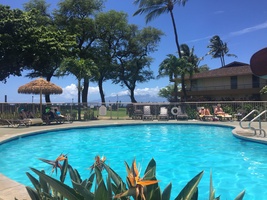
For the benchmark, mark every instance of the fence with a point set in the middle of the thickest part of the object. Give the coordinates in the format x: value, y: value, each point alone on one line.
x: 126, y: 110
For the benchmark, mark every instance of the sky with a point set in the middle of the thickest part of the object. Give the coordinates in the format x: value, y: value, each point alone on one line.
x: 242, y: 24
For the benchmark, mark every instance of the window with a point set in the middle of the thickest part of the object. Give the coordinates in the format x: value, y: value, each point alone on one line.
x: 255, y: 81
x: 233, y: 82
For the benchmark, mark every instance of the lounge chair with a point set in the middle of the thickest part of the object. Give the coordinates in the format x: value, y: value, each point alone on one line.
x: 14, y: 122
x: 163, y: 115
x: 137, y: 114
x: 30, y: 120
x: 181, y: 114
x: 221, y: 115
x: 204, y: 114
x: 147, y: 113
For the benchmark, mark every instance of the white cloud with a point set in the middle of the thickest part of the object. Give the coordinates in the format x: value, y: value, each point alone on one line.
x: 71, y: 91
x: 149, y: 91
x: 200, y: 39
x: 140, y: 91
x: 218, y: 12
x: 250, y: 29
x: 94, y: 90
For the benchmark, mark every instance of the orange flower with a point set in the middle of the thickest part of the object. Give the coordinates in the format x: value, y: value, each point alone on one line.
x: 136, y: 183
x: 55, y: 163
x: 98, y: 163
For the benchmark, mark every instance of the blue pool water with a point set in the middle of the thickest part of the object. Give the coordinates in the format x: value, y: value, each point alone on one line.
x: 180, y: 151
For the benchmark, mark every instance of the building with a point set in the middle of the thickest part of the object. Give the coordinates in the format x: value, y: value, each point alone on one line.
x: 234, y: 81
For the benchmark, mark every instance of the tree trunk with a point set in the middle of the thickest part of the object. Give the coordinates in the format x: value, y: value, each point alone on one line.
x: 85, y: 91
x: 132, y: 96
x: 183, y: 87
x: 102, y: 95
x: 175, y: 91
x: 176, y: 35
x: 47, y: 96
x: 79, y: 100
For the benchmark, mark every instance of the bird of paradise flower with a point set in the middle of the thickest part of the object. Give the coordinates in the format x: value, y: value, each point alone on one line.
x: 98, y: 163
x: 55, y: 163
x: 136, y: 184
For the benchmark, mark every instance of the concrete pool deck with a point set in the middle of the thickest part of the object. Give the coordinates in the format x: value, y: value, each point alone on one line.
x: 10, y: 189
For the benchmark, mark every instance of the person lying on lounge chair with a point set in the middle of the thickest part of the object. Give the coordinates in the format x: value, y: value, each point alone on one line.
x: 48, y: 115
x: 204, y: 113
x: 218, y: 111
x: 25, y: 114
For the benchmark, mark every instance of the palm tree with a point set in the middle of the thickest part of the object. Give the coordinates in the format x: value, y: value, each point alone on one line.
x: 218, y: 49
x: 154, y: 9
x: 191, y: 58
x: 175, y: 68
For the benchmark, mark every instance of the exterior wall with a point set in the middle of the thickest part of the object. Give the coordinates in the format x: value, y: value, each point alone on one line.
x: 220, y: 88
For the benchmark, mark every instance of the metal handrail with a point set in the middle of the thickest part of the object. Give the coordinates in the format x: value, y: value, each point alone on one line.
x: 260, y: 129
x: 244, y: 118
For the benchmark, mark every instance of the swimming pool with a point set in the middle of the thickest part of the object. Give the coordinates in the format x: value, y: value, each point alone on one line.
x: 181, y: 151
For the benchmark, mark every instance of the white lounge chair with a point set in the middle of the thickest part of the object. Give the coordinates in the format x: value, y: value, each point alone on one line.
x: 163, y: 114
x: 147, y: 113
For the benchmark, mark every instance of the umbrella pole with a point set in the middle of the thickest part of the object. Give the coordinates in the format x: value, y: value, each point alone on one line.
x: 41, y: 112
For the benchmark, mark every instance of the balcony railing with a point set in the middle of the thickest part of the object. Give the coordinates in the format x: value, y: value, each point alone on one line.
x: 220, y: 87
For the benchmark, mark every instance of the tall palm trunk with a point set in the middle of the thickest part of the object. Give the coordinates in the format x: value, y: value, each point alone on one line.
x: 175, y: 91
x: 183, y: 87
x: 176, y: 34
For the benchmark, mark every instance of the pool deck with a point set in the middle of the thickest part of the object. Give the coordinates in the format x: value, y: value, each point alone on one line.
x: 10, y: 189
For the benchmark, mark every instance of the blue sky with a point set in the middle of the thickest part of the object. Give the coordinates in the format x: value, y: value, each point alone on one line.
x: 240, y: 23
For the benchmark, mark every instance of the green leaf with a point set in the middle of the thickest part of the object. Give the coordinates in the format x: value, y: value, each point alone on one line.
x: 35, y: 182
x: 43, y: 184
x: 98, y: 175
x: 90, y: 181
x: 166, y: 194
x: 240, y: 195
x: 101, y: 191
x: 83, y: 191
x: 153, y: 193
x: 114, y: 176
x: 61, y: 188
x: 64, y: 170
x: 190, y: 188
x: 109, y: 185
x: 151, y: 164
x: 212, y: 191
x: 32, y: 193
x: 74, y: 174
x: 150, y: 174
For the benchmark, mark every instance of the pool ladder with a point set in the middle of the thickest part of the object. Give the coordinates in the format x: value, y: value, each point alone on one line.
x: 258, y: 117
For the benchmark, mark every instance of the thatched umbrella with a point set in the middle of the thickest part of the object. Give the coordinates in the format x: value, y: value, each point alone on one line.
x: 40, y: 86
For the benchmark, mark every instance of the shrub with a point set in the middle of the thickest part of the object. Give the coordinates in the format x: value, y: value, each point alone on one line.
x: 112, y: 187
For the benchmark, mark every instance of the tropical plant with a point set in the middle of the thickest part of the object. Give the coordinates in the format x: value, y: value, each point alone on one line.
x: 146, y: 188
x: 167, y: 92
x: 219, y: 49
x: 176, y: 69
x: 133, y: 58
x: 77, y: 18
x: 80, y: 68
x: 154, y: 9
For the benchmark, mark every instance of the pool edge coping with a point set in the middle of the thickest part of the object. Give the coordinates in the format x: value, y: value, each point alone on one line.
x: 19, y: 191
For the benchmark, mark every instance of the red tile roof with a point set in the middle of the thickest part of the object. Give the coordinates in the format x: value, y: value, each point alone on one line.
x: 232, y: 69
